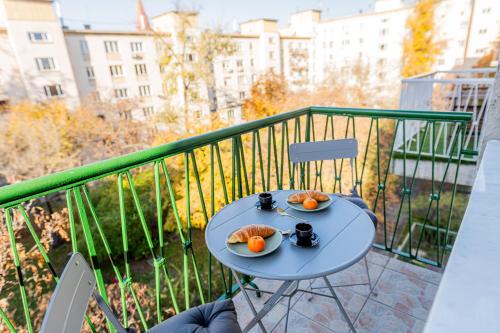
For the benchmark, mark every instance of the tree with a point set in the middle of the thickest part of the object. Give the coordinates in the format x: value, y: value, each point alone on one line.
x: 187, y: 63
x: 267, y: 97
x: 420, y: 48
x: 42, y: 138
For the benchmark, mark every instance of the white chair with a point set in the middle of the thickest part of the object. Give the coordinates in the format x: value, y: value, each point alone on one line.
x: 332, y: 150
x: 76, y: 286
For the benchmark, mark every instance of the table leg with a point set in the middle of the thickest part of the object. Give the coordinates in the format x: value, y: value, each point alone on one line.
x: 270, y: 303
x: 342, y: 310
x: 245, y: 294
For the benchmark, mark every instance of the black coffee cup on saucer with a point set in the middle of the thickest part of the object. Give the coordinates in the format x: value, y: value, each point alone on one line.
x: 304, y: 233
x: 266, y: 201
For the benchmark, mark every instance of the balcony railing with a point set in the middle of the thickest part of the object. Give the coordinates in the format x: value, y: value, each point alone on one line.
x: 454, y: 91
x: 163, y: 195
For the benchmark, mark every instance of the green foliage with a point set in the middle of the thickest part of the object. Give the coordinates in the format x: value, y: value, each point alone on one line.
x: 105, y: 199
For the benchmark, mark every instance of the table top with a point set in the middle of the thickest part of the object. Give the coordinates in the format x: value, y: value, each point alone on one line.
x: 345, y: 230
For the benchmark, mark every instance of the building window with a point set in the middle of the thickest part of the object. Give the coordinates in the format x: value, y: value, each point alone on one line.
x: 381, y: 62
x: 45, y: 64
x: 144, y: 91
x: 53, y: 90
x: 127, y: 114
x: 482, y: 31
x: 38, y: 37
x: 383, y: 32
x: 148, y: 111
x: 136, y: 47
x: 271, y: 40
x: 464, y: 24
x: 241, y: 79
x: 242, y: 95
x: 382, y: 47
x: 111, y: 46
x: 239, y: 64
x: 116, y: 70
x: 226, y: 81
x: 90, y: 72
x: 250, y: 46
x: 140, y: 69
x: 84, y: 48
x: 251, y: 62
x: 121, y: 93
x: 189, y: 57
x: 230, y: 114
x: 271, y: 55
x: 486, y: 10
x: 254, y: 78
x: 345, y: 42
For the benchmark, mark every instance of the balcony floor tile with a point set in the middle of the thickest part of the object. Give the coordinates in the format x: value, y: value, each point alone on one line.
x: 400, y: 302
x: 405, y: 293
x: 376, y: 317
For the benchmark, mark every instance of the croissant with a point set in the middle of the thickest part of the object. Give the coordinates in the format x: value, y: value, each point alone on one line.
x: 243, y: 234
x: 299, y: 197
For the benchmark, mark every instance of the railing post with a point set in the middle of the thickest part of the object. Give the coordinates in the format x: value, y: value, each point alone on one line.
x: 491, y: 130
x: 307, y: 139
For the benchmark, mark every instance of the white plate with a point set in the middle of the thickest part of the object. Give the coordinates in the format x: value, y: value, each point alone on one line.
x: 321, y: 205
x: 241, y: 249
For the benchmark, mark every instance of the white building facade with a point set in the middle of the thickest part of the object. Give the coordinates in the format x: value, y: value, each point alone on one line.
x: 40, y: 59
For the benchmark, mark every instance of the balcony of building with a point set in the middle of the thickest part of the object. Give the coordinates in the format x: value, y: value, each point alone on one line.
x: 469, y: 90
x: 150, y: 259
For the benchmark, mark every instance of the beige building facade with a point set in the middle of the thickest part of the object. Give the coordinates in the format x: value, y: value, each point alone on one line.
x: 40, y: 59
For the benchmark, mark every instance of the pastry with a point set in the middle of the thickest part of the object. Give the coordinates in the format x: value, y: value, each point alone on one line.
x: 299, y: 197
x: 245, y: 233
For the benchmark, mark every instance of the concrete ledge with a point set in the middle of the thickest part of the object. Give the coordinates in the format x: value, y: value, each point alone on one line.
x: 468, y: 298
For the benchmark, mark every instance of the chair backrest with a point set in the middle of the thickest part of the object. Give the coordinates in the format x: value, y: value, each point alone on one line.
x: 71, y: 297
x: 69, y: 302
x: 323, y: 150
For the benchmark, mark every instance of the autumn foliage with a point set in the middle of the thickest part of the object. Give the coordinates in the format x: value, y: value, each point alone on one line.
x: 420, y: 47
x: 266, y: 97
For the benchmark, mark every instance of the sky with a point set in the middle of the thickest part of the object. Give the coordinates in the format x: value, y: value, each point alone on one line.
x: 120, y: 14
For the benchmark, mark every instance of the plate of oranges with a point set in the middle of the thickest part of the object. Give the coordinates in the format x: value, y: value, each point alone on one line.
x: 309, y: 201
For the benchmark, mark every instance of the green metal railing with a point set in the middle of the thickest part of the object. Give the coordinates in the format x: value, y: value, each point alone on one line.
x: 193, y: 178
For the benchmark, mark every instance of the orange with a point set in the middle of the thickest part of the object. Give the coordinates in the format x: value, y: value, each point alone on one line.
x: 256, y: 244
x: 310, y: 203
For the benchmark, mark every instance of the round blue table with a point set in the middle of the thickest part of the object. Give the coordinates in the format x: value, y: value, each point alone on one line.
x: 346, y: 234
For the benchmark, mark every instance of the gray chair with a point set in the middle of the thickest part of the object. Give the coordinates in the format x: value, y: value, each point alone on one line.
x: 71, y: 297
x: 332, y: 150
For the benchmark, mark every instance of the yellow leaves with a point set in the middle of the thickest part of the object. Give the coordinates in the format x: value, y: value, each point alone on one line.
x: 420, y: 48
x: 266, y: 97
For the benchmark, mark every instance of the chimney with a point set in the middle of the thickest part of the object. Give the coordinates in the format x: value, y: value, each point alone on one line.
x: 142, y: 22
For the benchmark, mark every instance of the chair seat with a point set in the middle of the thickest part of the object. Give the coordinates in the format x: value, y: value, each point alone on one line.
x: 358, y: 201
x: 216, y: 317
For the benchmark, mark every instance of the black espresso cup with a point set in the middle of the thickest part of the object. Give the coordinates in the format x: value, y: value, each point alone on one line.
x: 304, y: 232
x: 266, y: 201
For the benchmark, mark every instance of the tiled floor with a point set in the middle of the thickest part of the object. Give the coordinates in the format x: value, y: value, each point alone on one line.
x: 400, y: 300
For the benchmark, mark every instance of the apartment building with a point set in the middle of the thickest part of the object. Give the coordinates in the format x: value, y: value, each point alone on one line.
x: 117, y: 66
x: 41, y: 59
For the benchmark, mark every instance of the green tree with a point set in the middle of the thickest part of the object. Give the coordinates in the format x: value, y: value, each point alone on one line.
x: 420, y: 47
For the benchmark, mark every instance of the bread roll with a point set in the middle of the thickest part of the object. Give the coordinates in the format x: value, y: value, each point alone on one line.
x: 299, y: 197
x: 243, y: 234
